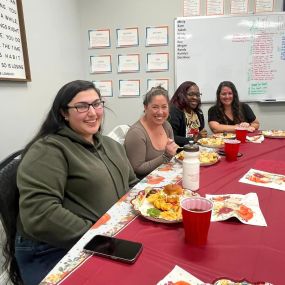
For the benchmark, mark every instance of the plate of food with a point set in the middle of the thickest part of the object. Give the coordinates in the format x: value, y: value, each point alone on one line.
x: 228, y: 281
x: 274, y: 134
x: 224, y: 135
x: 179, y: 156
x: 211, y: 142
x: 162, y: 204
x: 206, y: 157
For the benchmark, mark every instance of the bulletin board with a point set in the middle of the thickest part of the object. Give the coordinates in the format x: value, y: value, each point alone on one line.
x: 14, y: 61
x: 247, y: 50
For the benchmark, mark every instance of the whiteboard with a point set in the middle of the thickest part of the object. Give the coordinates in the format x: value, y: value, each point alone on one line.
x: 247, y: 50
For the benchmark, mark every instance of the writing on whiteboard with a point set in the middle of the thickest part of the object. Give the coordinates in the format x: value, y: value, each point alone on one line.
x: 248, y: 50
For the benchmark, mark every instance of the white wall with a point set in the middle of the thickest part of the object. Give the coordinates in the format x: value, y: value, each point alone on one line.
x: 112, y: 14
x: 57, y: 36
x: 55, y: 53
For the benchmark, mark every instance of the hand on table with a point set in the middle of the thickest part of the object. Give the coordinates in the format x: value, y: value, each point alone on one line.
x: 203, y: 133
x: 244, y: 125
x: 171, y: 147
x: 247, y: 126
x: 251, y: 129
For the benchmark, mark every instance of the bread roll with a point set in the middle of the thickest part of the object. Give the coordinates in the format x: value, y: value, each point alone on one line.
x: 173, y: 189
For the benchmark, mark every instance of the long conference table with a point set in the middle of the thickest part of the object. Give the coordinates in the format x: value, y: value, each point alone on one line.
x: 234, y: 250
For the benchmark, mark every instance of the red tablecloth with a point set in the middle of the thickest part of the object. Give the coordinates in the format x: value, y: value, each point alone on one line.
x: 233, y: 250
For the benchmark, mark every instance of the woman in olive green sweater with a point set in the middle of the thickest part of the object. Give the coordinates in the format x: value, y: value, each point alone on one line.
x: 69, y: 176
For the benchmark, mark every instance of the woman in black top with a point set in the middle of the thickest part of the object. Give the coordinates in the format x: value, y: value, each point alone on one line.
x: 229, y: 113
x: 186, y: 117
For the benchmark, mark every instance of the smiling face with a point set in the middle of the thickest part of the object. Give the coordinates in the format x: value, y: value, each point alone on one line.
x: 193, y: 96
x: 226, y: 96
x: 87, y: 123
x: 156, y: 112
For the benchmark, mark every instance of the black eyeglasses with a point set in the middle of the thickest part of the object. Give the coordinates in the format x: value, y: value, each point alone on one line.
x: 193, y: 94
x: 84, y: 107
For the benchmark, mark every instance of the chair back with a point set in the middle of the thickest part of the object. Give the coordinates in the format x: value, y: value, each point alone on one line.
x: 9, y: 209
x: 118, y: 133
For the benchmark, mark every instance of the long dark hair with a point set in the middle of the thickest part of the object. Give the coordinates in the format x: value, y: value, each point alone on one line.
x: 55, y: 120
x: 236, y: 105
x: 179, y: 98
x: 52, y: 124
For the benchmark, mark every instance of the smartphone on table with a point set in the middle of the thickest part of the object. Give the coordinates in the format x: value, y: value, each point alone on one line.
x: 114, y: 248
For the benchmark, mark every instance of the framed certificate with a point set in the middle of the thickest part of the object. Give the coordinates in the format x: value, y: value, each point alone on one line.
x: 156, y: 36
x: 157, y: 82
x: 129, y: 88
x: 215, y: 7
x: 128, y: 63
x: 239, y: 6
x: 99, y: 38
x: 264, y: 6
x: 192, y: 8
x: 100, y: 64
x: 105, y: 87
x: 14, y: 59
x: 127, y: 37
x: 157, y: 61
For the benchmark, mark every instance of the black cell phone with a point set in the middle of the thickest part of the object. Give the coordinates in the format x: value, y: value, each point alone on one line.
x: 114, y: 248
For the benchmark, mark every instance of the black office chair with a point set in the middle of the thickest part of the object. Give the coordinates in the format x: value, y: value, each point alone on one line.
x: 9, y: 208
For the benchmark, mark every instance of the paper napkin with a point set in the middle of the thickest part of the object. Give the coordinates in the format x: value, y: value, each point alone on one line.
x: 255, y: 139
x: 244, y: 207
x: 264, y: 179
x: 178, y: 274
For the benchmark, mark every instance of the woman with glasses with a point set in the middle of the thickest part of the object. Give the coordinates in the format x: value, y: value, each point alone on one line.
x: 229, y: 113
x: 69, y: 176
x: 186, y: 117
x: 149, y: 142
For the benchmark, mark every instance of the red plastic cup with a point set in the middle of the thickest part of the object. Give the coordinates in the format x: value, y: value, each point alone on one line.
x: 196, y: 214
x: 231, y: 149
x: 241, y: 134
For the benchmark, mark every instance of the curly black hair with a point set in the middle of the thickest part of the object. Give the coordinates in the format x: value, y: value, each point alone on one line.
x: 179, y: 98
